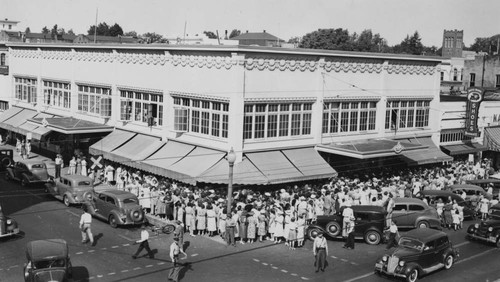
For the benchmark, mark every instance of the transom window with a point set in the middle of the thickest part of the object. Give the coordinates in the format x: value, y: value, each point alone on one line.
x: 349, y: 116
x: 277, y: 120
x: 94, y: 100
x: 201, y: 116
x: 57, y: 94
x: 407, y: 114
x: 25, y: 89
x: 141, y: 107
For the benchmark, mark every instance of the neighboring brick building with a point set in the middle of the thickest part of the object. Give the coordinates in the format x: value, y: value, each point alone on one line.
x: 453, y: 42
x: 483, y: 71
x: 259, y: 38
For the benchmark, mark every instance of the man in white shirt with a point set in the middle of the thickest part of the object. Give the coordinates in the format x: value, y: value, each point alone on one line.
x: 393, y: 234
x: 175, y: 250
x: 143, y: 243
x: 85, y: 221
x: 320, y: 251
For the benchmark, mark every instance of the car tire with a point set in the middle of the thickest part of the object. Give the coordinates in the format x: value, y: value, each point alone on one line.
x: 87, y: 196
x: 448, y: 261
x: 333, y: 229
x: 167, y: 229
x: 7, y: 176
x: 136, y: 214
x: 312, y: 233
x: 113, y: 222
x: 373, y: 237
x: 66, y: 201
x: 422, y: 224
x: 6, y: 161
x: 412, y: 275
x: 24, y: 182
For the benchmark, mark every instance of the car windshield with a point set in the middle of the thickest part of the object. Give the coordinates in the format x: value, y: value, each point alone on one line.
x: 37, y: 166
x: 411, y: 243
x: 84, y: 183
x: 42, y: 264
x: 130, y: 201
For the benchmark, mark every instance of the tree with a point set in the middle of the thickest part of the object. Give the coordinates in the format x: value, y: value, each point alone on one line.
x: 71, y: 32
x: 486, y: 44
x: 45, y: 30
x: 151, y: 37
x: 115, y: 30
x: 27, y: 30
x: 130, y: 33
x: 329, y: 39
x: 53, y: 32
x: 210, y: 34
x: 234, y: 33
x: 102, y: 29
x: 410, y: 45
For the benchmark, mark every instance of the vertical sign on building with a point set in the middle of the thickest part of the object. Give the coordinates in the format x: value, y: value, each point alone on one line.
x: 474, y: 98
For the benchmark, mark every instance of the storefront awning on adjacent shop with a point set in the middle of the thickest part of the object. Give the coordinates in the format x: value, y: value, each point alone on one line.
x: 431, y: 153
x: 369, y: 148
x: 109, y: 143
x: 133, y: 149
x: 272, y: 167
x: 70, y: 125
x: 465, y: 148
x: 36, y: 131
x: 9, y: 113
x: 13, y: 122
x: 492, y: 137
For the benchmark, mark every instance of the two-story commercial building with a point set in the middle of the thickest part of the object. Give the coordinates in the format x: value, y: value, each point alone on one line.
x: 175, y: 110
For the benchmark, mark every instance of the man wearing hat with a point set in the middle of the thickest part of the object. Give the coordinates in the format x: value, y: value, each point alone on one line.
x: 175, y: 250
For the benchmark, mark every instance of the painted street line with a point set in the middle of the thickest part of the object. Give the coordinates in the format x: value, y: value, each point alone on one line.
x: 359, y: 277
x: 126, y: 238
x: 461, y: 244
x: 277, y: 268
x: 193, y: 255
x: 125, y: 270
x: 476, y: 255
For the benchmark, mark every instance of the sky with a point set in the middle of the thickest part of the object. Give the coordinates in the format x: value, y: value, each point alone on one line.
x: 392, y: 19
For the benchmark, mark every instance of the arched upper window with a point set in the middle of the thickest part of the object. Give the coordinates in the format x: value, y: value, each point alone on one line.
x: 455, y: 74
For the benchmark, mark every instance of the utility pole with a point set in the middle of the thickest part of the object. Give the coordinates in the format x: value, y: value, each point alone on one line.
x: 95, y: 26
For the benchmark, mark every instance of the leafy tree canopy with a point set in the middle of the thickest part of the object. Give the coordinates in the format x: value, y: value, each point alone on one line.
x: 234, y: 33
x: 210, y: 34
x: 45, y: 30
x: 485, y: 44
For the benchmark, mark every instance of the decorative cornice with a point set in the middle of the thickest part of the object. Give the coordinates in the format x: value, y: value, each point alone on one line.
x: 24, y: 53
x: 405, y: 68
x: 353, y: 65
x: 280, y: 64
x: 217, y: 62
x: 94, y: 56
x: 141, y: 58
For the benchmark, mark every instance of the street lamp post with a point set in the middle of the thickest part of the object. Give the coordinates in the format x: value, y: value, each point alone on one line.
x: 231, y: 158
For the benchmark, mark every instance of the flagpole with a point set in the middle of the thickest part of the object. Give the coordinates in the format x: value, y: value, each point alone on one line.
x: 95, y: 26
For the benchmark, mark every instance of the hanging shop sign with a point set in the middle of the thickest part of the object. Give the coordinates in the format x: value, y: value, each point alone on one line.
x: 474, y: 98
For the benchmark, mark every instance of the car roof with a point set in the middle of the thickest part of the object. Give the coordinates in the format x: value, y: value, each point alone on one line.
x: 424, y: 234
x: 77, y: 177
x: 31, y: 161
x: 437, y: 192
x: 408, y: 200
x: 489, y: 180
x: 118, y: 193
x: 47, y: 249
x: 466, y: 186
x: 368, y: 208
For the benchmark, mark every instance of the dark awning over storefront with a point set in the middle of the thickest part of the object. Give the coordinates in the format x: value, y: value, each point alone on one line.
x: 13, y: 121
x: 70, y: 125
x: 492, y: 136
x: 466, y: 148
x: 272, y: 167
x: 431, y: 154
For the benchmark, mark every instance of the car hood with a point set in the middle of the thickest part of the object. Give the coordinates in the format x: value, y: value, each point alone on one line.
x: 491, y: 222
x: 402, y: 252
x: 50, y: 275
x: 39, y: 175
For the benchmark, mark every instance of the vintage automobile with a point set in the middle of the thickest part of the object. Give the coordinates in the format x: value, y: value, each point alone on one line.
x: 486, y: 183
x: 72, y: 189
x: 117, y: 207
x: 432, y: 197
x: 420, y: 252
x: 8, y: 226
x: 370, y: 224
x: 28, y: 172
x: 48, y: 260
x: 488, y: 230
x: 414, y: 213
x: 469, y: 190
x: 6, y: 157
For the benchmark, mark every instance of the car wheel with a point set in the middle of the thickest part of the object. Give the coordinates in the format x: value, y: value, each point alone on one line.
x: 448, y: 261
x: 7, y: 176
x: 312, y: 233
x: 66, y: 201
x: 412, y: 276
x: 24, y: 182
x: 423, y: 224
x: 136, y: 214
x: 333, y: 229
x: 167, y: 229
x: 112, y: 221
x: 373, y: 237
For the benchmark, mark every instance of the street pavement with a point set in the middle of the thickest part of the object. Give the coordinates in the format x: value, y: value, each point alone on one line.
x: 42, y: 217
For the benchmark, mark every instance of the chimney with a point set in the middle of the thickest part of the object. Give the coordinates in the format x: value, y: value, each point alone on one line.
x: 264, y: 31
x: 225, y: 37
x: 247, y: 31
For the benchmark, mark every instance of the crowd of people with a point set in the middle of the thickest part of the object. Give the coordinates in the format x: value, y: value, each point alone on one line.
x: 23, y: 147
x: 281, y: 214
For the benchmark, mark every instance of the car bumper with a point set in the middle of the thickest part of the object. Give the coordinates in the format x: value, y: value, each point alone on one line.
x: 380, y: 268
x: 489, y: 239
x: 10, y: 233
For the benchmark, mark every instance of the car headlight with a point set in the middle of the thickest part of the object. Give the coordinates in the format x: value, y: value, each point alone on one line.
x: 401, y: 263
x: 490, y: 229
x: 384, y: 258
x: 476, y: 225
x: 9, y: 222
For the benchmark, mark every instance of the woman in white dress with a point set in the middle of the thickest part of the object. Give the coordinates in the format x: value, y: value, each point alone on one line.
x: 211, y: 222
x: 278, y: 227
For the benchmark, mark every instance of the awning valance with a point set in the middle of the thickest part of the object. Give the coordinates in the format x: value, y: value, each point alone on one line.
x: 129, y: 152
x: 465, y: 148
x: 13, y: 122
x: 431, y: 154
x: 109, y: 143
x: 70, y: 125
x: 492, y: 137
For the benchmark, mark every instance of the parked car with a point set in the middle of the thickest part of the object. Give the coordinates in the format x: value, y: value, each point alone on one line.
x: 370, y: 224
x: 48, y: 260
x: 28, y: 172
x: 489, y: 230
x: 469, y: 190
x: 117, y: 207
x: 432, y: 197
x: 8, y: 226
x: 420, y: 252
x: 414, y: 213
x: 6, y: 158
x: 72, y: 189
x: 485, y: 183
